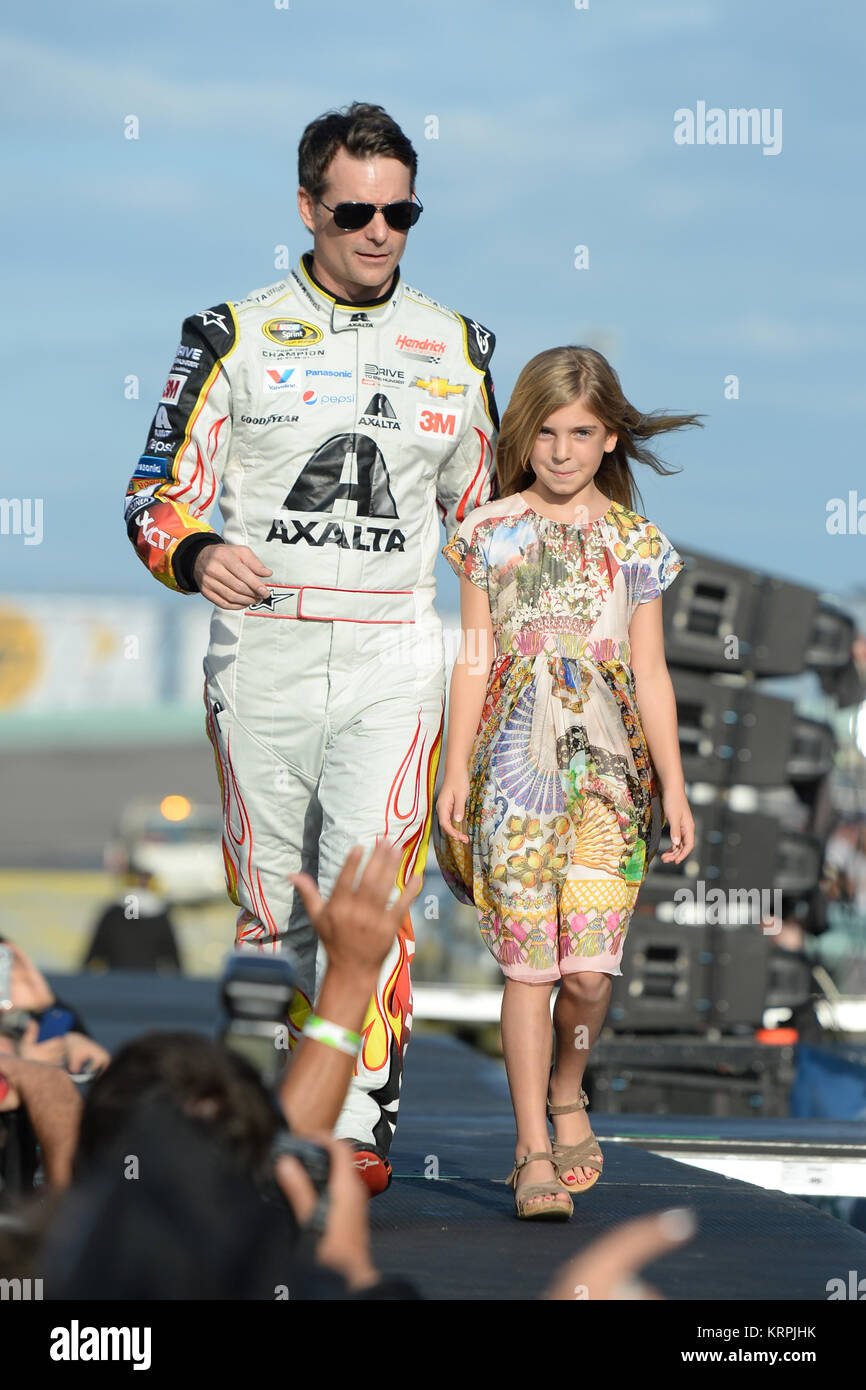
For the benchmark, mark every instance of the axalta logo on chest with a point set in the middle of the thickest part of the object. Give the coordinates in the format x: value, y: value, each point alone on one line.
x: 319, y: 533
x: 348, y: 470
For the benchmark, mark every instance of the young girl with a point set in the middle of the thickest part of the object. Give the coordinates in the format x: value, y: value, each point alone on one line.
x: 550, y: 809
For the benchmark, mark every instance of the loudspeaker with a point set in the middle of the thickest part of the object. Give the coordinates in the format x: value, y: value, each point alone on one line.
x: 689, y: 976
x: 721, y: 617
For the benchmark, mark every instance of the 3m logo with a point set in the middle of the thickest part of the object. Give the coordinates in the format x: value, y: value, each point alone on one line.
x: 173, y: 387
x: 445, y: 423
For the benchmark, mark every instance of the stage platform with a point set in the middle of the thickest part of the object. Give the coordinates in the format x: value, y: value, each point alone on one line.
x: 455, y: 1233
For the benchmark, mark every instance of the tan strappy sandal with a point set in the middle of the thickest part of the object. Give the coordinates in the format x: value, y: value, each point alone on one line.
x: 552, y: 1211
x: 580, y: 1155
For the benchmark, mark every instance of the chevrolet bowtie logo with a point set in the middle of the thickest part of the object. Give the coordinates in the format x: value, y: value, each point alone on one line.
x: 271, y: 601
x: 438, y: 386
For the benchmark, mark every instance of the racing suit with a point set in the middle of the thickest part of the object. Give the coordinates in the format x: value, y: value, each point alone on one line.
x: 336, y: 431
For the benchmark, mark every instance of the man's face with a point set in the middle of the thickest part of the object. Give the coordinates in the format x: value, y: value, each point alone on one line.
x: 366, y: 259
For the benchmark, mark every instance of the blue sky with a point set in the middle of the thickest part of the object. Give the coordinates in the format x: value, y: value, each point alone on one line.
x: 555, y: 130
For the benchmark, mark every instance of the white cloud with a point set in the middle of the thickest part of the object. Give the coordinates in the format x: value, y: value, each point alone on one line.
x: 44, y: 88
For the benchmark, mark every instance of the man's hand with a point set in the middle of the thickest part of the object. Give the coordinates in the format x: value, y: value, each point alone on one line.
x: 607, y: 1268
x: 83, y: 1053
x: 30, y: 989
x: 230, y: 575
x: 345, y: 1245
x: 70, y: 1050
x: 354, y: 925
x: 54, y: 1108
x: 357, y: 930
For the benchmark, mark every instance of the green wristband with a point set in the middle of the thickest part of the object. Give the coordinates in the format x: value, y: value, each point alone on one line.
x: 332, y: 1034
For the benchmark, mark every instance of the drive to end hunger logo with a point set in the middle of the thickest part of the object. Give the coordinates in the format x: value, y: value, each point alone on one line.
x: 295, y: 331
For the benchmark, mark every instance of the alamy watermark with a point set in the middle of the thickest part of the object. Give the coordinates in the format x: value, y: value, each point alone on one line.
x: 751, y: 906
x: 22, y: 516
x: 740, y: 125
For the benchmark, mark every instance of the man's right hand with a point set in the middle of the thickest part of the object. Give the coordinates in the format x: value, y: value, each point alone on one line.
x: 356, y: 926
x: 230, y: 575
x: 345, y: 1245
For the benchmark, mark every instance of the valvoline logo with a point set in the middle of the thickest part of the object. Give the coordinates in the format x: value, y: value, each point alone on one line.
x: 309, y: 398
x: 281, y: 380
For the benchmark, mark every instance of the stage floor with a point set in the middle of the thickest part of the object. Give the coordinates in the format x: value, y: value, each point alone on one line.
x: 456, y: 1236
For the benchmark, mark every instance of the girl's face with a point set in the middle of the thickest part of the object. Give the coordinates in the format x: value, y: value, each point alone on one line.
x: 568, y: 449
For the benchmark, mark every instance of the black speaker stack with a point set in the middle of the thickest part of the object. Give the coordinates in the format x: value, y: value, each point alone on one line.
x: 684, y: 1029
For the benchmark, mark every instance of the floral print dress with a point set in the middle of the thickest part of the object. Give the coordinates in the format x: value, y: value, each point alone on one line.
x: 564, y: 813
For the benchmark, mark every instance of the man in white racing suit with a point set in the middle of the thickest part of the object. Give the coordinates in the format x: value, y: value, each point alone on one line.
x: 344, y: 414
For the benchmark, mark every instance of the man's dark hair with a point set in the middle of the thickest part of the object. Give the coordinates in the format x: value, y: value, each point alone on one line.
x: 215, y: 1089
x: 363, y: 130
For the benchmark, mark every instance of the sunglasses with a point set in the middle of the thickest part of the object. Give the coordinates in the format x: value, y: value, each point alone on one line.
x: 351, y: 217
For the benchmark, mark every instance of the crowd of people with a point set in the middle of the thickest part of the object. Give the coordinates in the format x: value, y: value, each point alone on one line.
x: 170, y: 1171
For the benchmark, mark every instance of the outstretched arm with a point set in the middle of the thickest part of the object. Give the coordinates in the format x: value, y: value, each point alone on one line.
x: 356, y: 928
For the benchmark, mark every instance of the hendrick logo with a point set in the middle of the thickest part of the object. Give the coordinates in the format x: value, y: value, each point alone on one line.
x: 420, y: 344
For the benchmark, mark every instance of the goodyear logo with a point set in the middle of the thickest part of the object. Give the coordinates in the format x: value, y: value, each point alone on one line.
x: 295, y: 331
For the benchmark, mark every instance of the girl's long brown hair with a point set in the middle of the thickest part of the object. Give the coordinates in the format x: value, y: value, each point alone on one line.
x: 560, y: 376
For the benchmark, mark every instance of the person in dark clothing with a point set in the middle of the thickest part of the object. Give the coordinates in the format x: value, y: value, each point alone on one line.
x: 145, y: 941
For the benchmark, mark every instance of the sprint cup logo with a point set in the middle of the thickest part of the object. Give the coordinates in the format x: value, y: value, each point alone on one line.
x: 295, y: 331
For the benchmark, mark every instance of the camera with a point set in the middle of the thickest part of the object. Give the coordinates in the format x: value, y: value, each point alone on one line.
x: 255, y: 994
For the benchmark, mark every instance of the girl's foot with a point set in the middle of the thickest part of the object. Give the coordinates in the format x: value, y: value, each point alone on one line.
x: 539, y: 1171
x: 571, y: 1129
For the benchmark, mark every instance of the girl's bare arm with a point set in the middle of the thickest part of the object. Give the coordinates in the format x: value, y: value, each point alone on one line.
x: 655, y: 693
x: 657, y: 706
x: 469, y: 676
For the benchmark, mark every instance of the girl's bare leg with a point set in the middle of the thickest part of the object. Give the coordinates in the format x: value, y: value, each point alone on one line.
x: 578, y: 1015
x: 526, y: 1043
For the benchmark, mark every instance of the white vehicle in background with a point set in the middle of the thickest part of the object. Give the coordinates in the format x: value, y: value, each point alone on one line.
x: 177, y: 844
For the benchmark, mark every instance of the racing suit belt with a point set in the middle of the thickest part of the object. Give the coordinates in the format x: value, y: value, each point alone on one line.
x: 320, y: 603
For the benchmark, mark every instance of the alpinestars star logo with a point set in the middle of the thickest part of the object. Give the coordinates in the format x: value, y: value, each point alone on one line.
x: 269, y: 604
x: 482, y: 336
x: 208, y: 317
x: 380, y: 413
x: 346, y: 474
